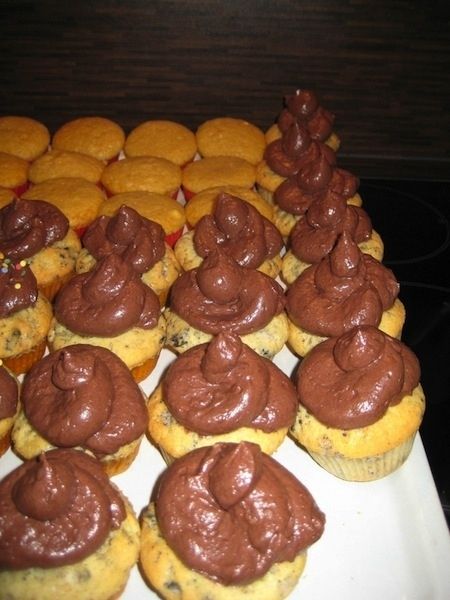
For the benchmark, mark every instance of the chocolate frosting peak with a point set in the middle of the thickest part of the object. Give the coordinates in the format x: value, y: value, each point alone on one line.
x: 224, y: 385
x: 107, y: 301
x: 230, y: 512
x: 345, y: 289
x: 220, y: 295
x: 139, y: 241
x: 303, y: 106
x: 64, y: 503
x: 84, y: 396
x: 27, y: 226
x: 18, y: 287
x: 350, y: 381
x: 284, y: 155
x: 239, y: 230
x: 9, y: 394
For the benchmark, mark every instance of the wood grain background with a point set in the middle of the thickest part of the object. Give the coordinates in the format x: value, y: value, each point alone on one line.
x: 383, y: 68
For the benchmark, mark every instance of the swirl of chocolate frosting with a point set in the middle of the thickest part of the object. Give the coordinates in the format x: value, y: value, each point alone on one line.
x: 218, y: 387
x: 239, y: 230
x: 327, y: 218
x: 9, y: 394
x: 64, y: 503
x: 27, y: 226
x: 345, y: 289
x: 284, y: 155
x: 350, y: 381
x: 303, y: 106
x: 84, y: 396
x: 18, y: 287
x: 220, y: 295
x: 230, y: 512
x: 107, y: 301
x: 139, y: 241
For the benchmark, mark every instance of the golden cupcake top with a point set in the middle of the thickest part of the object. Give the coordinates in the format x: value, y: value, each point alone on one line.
x: 239, y: 230
x: 107, y: 301
x: 346, y: 288
x: 24, y: 137
x: 230, y: 512
x: 220, y: 295
x: 65, y: 163
x: 64, y: 502
x: 139, y: 241
x: 215, y: 171
x: 84, y: 396
x: 27, y: 226
x: 350, y: 381
x: 13, y: 171
x: 221, y: 386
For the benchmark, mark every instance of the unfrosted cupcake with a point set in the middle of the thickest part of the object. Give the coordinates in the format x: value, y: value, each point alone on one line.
x: 64, y: 163
x: 13, y: 173
x: 25, y: 317
x: 95, y: 136
x: 240, y: 493
x: 220, y: 295
x: 110, y: 306
x: 221, y: 391
x: 156, y: 207
x: 78, y: 199
x: 203, y: 203
x: 23, y: 136
x: 86, y: 536
x: 345, y: 289
x: 361, y: 404
x: 139, y: 241
x: 230, y: 136
x: 315, y: 235
x: 215, y: 171
x: 240, y: 231
x: 37, y: 232
x: 81, y: 397
x: 163, y: 138
x: 303, y: 107
x: 142, y: 174
x: 6, y: 196
x: 9, y: 405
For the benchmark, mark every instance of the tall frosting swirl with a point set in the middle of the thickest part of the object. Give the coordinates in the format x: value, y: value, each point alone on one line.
x: 218, y: 387
x: 239, y: 230
x: 18, y: 287
x: 230, y: 512
x: 84, y: 396
x: 27, y: 226
x: 9, y: 394
x: 345, y: 289
x: 139, y: 241
x: 107, y: 301
x: 220, y: 295
x: 303, y: 107
x: 56, y: 510
x: 350, y: 381
x: 327, y: 218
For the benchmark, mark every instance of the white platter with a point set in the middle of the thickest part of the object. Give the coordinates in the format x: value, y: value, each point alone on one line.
x: 386, y: 539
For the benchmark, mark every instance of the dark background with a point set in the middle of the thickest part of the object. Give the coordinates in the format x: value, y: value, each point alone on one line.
x: 383, y: 68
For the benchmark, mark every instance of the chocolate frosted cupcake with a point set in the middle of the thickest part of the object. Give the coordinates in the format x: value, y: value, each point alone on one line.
x: 303, y: 107
x: 38, y: 232
x: 25, y: 317
x: 220, y: 295
x: 315, y: 235
x: 361, y: 404
x: 82, y: 397
x: 111, y: 307
x: 221, y: 391
x: 345, y: 289
x: 9, y: 406
x: 139, y: 241
x: 85, y: 535
x: 240, y: 231
x: 228, y: 522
